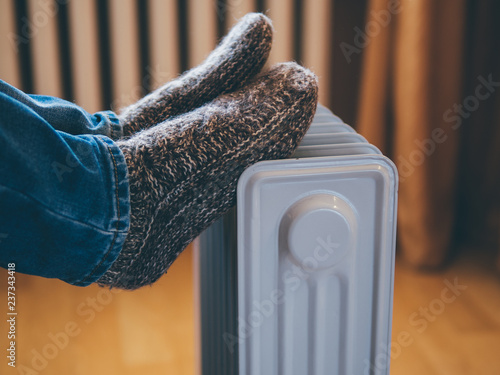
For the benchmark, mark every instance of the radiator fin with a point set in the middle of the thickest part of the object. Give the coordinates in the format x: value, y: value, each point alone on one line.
x: 85, y: 54
x: 9, y: 69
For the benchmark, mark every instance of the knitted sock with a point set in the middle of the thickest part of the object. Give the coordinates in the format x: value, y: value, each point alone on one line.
x: 183, y: 173
x: 238, y: 57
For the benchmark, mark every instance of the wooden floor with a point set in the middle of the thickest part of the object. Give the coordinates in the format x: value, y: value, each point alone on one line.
x: 148, y: 331
x: 449, y: 330
x: 437, y: 329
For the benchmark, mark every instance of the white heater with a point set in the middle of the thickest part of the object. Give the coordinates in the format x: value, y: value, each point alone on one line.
x: 298, y: 278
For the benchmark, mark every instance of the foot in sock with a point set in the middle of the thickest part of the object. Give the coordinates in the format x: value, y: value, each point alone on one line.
x: 238, y: 58
x: 183, y: 173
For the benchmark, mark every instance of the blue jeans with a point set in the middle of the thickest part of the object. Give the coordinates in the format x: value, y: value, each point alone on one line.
x: 64, y: 195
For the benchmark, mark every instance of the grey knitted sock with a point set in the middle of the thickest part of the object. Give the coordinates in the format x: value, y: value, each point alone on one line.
x: 238, y: 58
x: 183, y: 173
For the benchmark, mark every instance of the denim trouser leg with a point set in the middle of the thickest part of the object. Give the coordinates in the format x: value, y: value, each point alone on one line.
x: 64, y: 196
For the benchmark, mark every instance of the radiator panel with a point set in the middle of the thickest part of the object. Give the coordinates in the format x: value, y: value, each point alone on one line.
x: 217, y: 293
x: 289, y: 212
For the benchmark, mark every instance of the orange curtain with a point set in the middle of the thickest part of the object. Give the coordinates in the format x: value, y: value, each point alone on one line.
x: 419, y: 103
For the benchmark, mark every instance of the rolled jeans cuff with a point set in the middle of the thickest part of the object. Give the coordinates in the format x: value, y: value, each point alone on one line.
x: 120, y: 220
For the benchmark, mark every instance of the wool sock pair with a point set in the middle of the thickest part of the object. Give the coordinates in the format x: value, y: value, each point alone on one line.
x: 188, y: 142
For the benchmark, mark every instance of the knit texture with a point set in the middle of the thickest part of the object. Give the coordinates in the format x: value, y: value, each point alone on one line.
x: 183, y: 173
x: 237, y: 59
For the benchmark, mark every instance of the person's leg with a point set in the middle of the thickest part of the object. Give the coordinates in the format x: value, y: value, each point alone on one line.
x: 64, y: 199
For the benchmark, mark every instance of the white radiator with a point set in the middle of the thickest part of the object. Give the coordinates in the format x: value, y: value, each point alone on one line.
x: 298, y: 279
